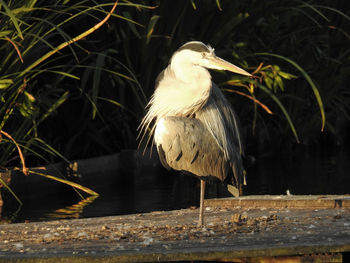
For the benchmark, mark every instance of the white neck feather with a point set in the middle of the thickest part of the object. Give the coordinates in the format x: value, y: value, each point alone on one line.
x: 184, y: 86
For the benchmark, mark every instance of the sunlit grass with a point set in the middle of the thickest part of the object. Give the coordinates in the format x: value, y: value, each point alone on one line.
x: 21, y: 112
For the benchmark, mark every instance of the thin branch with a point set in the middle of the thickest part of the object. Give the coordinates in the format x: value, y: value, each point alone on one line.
x: 258, y: 68
x: 252, y: 98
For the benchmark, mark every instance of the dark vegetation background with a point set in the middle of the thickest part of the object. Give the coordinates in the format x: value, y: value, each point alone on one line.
x: 88, y: 99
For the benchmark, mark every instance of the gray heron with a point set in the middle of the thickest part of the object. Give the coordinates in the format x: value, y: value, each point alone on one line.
x: 195, y: 128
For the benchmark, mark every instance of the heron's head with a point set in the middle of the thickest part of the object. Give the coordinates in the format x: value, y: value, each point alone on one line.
x: 198, y: 54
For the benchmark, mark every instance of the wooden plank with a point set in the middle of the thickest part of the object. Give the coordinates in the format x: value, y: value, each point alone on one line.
x: 229, y: 234
x: 282, y: 201
x: 311, y: 258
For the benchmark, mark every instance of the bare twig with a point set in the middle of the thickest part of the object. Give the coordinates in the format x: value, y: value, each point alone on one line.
x: 258, y: 68
x: 252, y: 98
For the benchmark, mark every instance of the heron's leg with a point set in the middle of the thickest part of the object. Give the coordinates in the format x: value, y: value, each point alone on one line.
x: 201, y: 203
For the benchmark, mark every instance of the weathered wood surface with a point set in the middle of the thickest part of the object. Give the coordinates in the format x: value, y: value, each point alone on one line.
x: 283, y: 201
x: 230, y: 233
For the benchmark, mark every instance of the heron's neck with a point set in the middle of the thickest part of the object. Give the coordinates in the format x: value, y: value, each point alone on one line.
x: 190, y: 73
x: 181, y: 92
x: 193, y: 81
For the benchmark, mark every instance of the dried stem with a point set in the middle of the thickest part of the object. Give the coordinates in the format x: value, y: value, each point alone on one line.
x: 15, y: 46
x: 24, y: 168
x: 252, y: 98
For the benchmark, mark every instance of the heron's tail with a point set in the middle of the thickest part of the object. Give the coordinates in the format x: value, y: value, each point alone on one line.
x: 239, y: 177
x: 233, y: 190
x: 237, y: 191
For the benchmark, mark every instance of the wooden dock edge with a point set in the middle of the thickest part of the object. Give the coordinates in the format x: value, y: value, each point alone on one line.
x: 282, y: 201
x: 302, y: 253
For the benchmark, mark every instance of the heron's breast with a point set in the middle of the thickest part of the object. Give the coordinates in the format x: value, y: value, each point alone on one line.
x: 160, y: 131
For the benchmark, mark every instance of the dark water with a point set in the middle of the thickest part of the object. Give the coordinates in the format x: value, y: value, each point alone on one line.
x: 156, y: 189
x: 306, y: 172
x: 126, y: 193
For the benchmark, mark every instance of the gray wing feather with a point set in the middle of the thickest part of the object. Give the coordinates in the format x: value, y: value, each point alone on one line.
x: 188, y: 146
x: 219, y: 118
x: 162, y: 156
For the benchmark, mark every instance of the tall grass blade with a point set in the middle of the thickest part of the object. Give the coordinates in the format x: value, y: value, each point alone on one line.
x: 308, y: 79
x: 13, y: 18
x: 50, y: 149
x: 335, y: 11
x: 74, y: 185
x: 69, y: 42
x: 283, y: 109
x: 12, y: 192
x: 313, y: 8
x: 151, y: 25
x: 100, y: 62
x: 53, y: 107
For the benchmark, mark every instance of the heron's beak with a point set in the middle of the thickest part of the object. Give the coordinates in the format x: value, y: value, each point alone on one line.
x: 219, y: 63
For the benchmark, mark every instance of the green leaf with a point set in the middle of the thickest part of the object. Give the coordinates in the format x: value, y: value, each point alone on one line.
x: 276, y: 68
x: 279, y: 82
x: 29, y: 96
x: 27, y: 109
x: 5, y: 83
x: 193, y: 5
x: 5, y: 33
x: 22, y: 10
x: 151, y: 25
x: 286, y: 75
x: 218, y: 5
x: 12, y: 17
x: 268, y: 81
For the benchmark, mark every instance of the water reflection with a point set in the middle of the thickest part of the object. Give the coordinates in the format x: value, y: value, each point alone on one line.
x: 72, y: 211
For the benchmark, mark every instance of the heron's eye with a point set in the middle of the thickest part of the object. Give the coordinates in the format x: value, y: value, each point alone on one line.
x: 204, y: 55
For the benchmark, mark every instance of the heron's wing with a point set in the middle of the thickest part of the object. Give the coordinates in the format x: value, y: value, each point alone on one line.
x: 184, y: 144
x: 219, y: 118
x: 162, y: 156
